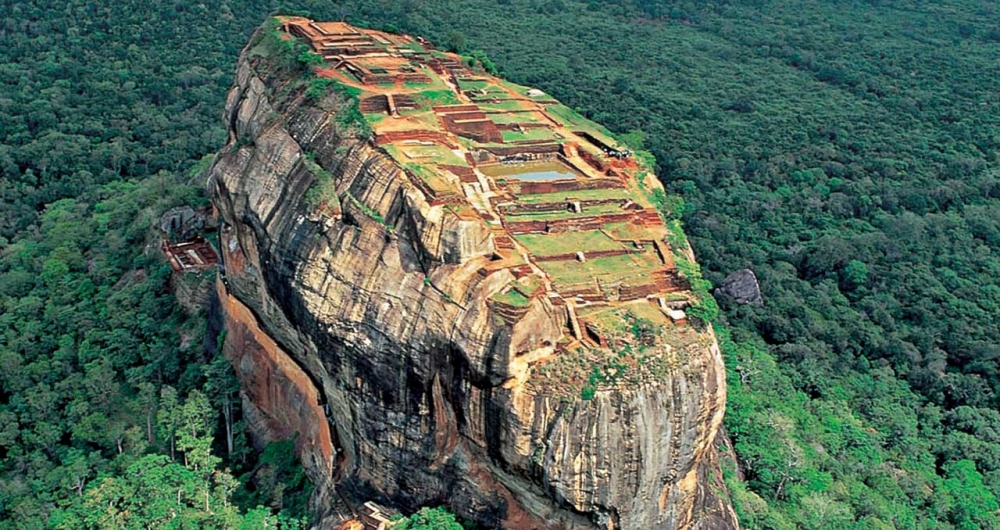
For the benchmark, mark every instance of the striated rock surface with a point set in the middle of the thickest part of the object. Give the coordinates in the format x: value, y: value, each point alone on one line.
x: 371, y: 335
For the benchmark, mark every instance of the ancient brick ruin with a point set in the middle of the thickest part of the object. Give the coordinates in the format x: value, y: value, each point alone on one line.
x: 193, y: 255
x: 571, y: 218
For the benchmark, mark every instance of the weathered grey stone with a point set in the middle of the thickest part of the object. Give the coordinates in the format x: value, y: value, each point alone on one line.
x: 181, y: 223
x: 741, y: 287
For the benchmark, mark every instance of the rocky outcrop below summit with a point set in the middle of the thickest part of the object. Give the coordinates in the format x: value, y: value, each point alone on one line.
x: 741, y: 287
x: 370, y: 335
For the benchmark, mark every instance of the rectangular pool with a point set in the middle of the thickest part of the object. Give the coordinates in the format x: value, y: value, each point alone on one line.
x: 531, y: 171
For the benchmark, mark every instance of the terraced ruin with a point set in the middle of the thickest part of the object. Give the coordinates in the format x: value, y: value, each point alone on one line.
x: 459, y: 291
x: 571, y: 210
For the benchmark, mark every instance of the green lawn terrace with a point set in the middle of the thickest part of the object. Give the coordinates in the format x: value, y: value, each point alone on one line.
x: 575, y: 207
x: 533, y: 94
x: 558, y: 213
x: 425, y: 153
x: 598, y: 194
x: 481, y: 87
x: 524, y: 118
x: 517, y: 294
x: 598, y: 247
x: 602, y: 276
x: 433, y: 97
x: 566, y: 246
x: 597, y: 137
x: 505, y: 105
x: 529, y: 135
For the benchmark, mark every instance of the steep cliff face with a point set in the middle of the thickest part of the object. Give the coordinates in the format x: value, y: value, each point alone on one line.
x: 373, y: 337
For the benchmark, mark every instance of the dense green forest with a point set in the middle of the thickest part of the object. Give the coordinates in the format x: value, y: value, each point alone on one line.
x: 846, y: 151
x: 109, y: 399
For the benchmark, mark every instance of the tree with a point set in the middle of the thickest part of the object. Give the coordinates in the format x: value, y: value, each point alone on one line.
x: 855, y: 274
x: 168, y: 417
x: 975, y: 506
x: 278, y: 480
x: 429, y: 519
x: 155, y: 492
x: 194, y: 432
x: 222, y: 389
x: 456, y: 42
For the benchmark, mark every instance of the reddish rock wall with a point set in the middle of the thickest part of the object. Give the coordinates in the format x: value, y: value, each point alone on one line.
x: 277, y: 388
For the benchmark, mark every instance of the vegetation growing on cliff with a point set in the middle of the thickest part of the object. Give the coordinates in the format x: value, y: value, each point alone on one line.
x: 641, y: 351
x: 429, y: 519
x: 323, y: 193
x: 346, y: 108
x: 703, y: 309
x: 367, y: 210
x: 278, y: 481
x: 294, y: 58
x: 291, y: 54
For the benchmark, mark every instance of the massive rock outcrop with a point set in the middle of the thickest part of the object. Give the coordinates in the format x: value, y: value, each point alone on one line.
x: 371, y: 335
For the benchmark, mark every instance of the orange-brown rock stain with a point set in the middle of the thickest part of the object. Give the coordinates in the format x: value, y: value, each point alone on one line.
x: 272, y: 381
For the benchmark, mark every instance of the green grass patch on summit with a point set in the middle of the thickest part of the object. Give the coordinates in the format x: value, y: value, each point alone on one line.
x: 512, y: 298
x: 568, y: 242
